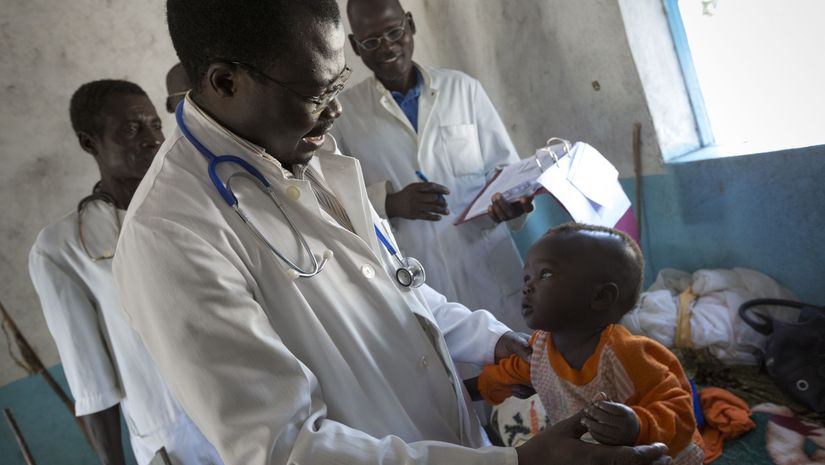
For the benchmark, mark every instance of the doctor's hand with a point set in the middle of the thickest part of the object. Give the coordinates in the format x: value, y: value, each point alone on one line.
x: 502, y: 210
x: 513, y: 343
x: 418, y: 201
x: 560, y: 443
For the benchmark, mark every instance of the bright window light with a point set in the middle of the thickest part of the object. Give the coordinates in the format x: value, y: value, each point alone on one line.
x: 761, y: 69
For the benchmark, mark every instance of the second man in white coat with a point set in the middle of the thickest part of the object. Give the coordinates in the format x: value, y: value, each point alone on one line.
x: 410, y: 118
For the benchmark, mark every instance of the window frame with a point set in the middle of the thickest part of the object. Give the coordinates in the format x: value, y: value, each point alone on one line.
x: 694, y: 90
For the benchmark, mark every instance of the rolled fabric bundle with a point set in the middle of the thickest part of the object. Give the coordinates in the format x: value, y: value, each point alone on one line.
x: 700, y: 310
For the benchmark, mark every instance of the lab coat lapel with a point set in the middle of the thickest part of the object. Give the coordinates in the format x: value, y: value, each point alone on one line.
x: 391, y: 106
x: 340, y: 173
x: 426, y: 102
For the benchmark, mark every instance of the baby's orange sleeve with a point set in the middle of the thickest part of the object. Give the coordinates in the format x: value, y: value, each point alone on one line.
x: 662, y: 399
x: 495, y: 381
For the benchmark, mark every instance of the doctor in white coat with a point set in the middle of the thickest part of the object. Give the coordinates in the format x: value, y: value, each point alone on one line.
x: 326, y: 360
x: 408, y: 118
x: 70, y: 264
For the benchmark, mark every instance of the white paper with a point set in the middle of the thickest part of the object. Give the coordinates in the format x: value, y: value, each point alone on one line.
x: 587, y: 187
x: 592, y: 174
x: 524, y: 174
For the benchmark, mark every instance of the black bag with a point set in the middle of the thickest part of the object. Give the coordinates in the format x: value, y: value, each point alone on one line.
x: 795, y: 352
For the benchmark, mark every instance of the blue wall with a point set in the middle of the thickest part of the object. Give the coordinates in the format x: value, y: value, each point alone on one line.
x: 765, y: 212
x: 46, y: 424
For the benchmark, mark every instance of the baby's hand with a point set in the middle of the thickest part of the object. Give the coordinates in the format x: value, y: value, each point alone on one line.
x: 611, y: 423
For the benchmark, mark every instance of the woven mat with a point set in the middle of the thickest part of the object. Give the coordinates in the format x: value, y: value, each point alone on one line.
x: 750, y: 383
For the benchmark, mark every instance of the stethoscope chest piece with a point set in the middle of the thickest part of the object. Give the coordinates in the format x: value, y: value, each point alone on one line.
x: 410, y: 273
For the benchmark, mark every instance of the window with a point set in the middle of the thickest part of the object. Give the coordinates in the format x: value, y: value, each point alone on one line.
x: 754, y: 69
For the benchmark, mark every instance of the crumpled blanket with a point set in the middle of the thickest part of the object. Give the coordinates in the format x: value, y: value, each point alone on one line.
x: 711, y: 309
x: 726, y: 417
x: 786, y: 437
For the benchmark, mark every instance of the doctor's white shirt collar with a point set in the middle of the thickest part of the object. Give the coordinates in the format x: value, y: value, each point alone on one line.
x: 425, y: 75
x: 218, y: 145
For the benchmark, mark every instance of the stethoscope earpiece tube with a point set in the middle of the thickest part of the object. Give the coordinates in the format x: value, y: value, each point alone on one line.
x: 409, y: 274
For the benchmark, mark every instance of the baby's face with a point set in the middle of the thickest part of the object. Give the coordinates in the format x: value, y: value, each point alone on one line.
x: 557, y: 287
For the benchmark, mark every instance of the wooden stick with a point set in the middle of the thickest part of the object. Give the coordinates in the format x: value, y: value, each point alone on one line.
x: 637, y: 165
x: 34, y: 366
x: 24, y: 448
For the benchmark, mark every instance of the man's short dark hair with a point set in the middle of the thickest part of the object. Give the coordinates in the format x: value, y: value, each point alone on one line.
x: 88, y: 100
x: 255, y: 32
x: 351, y: 4
x: 631, y: 270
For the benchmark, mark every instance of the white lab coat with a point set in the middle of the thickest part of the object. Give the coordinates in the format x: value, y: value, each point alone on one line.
x: 343, y: 367
x: 459, y: 143
x: 104, y: 360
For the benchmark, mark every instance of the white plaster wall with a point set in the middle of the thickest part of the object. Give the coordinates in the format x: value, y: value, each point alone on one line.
x: 49, y: 48
x: 649, y: 38
x: 537, y: 60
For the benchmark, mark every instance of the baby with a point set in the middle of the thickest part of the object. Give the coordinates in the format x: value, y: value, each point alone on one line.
x: 579, y: 280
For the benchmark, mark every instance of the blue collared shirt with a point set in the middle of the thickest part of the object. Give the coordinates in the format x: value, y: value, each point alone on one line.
x: 409, y: 101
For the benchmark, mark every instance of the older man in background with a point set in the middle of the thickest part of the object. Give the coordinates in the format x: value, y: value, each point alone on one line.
x: 70, y: 264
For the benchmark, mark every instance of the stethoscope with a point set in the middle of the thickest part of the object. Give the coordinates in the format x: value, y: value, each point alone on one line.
x: 410, y: 272
x: 97, y: 194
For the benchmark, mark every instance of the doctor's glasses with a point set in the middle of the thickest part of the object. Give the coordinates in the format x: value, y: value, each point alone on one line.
x: 390, y: 36
x: 318, y: 102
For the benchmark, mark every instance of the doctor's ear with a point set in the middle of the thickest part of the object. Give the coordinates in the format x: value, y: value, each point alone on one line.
x: 412, y: 22
x: 87, y: 143
x: 607, y: 294
x: 222, y: 79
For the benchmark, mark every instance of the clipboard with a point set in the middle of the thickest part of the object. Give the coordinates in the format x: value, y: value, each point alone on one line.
x: 516, y: 180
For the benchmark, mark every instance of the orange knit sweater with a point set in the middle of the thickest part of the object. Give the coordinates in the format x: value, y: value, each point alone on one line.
x: 634, y: 370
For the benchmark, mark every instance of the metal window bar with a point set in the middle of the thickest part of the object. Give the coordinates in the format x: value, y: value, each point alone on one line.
x: 697, y: 101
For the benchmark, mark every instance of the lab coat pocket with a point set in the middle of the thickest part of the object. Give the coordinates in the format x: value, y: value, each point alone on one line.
x: 459, y: 144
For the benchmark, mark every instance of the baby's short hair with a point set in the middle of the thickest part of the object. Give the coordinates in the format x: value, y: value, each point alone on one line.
x: 630, y: 273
